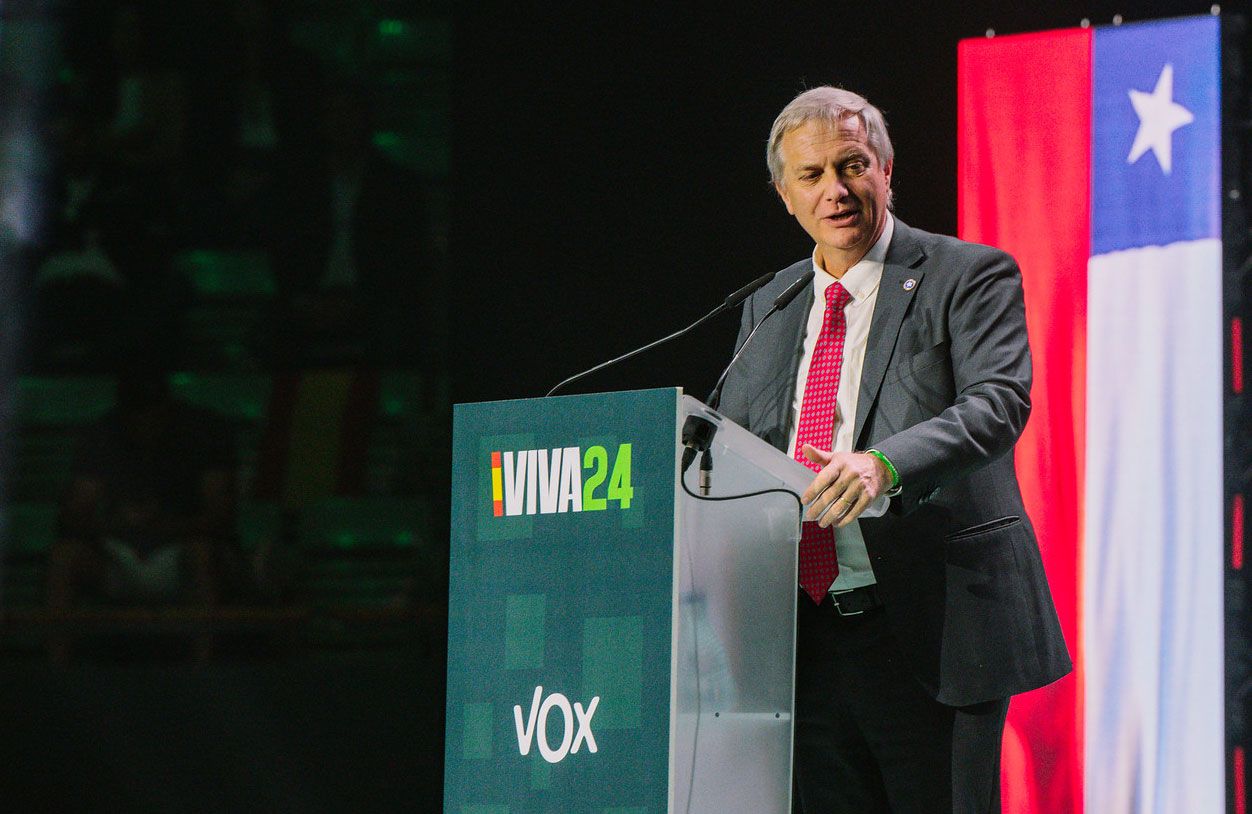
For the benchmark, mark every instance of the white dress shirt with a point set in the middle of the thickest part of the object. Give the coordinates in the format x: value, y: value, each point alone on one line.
x: 861, y: 281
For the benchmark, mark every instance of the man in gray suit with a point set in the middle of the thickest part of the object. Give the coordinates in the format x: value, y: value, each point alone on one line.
x: 939, y: 611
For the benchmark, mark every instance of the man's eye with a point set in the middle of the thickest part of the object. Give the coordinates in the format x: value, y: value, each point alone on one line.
x: 855, y: 167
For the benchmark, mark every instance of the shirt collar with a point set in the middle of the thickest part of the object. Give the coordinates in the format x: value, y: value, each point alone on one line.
x: 862, y: 279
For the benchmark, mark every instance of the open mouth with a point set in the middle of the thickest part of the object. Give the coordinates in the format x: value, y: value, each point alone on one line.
x: 843, y: 218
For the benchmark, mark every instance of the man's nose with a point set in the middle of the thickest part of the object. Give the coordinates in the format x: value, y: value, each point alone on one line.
x: 834, y: 187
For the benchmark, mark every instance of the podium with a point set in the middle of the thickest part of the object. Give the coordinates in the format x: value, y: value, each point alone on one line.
x: 616, y: 646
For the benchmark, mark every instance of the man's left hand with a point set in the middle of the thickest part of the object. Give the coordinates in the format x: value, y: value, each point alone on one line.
x: 849, y: 482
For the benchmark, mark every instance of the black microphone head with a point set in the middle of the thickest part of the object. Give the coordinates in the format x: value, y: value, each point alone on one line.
x: 748, y: 290
x: 792, y: 291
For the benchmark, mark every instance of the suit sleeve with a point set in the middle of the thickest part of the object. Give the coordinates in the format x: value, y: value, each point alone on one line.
x: 991, y: 372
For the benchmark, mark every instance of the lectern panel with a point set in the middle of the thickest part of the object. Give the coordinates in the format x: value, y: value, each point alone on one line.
x: 560, y: 608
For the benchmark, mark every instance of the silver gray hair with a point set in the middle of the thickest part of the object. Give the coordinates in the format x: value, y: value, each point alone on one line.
x: 831, y: 105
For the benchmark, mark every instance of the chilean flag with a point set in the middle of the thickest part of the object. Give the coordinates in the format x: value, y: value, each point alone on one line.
x: 1094, y: 157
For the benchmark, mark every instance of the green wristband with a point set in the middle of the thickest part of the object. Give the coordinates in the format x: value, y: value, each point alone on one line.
x: 895, y: 476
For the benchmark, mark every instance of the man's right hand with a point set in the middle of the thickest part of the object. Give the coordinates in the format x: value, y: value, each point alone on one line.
x: 848, y: 483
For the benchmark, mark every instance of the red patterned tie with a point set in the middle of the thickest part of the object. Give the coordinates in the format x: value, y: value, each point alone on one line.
x: 818, y: 565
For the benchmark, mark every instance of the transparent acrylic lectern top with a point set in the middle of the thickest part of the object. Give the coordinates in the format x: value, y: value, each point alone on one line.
x: 735, y: 639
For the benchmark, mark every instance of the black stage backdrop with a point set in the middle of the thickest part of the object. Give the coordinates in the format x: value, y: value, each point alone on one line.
x: 609, y: 174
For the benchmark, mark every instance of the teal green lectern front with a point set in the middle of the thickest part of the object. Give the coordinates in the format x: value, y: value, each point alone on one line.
x: 616, y: 646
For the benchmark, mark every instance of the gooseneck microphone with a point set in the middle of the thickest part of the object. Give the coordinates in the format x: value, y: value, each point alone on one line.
x: 728, y: 303
x: 698, y: 432
x: 780, y: 302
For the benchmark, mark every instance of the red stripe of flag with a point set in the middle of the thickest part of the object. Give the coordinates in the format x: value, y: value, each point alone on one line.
x: 1241, y: 792
x: 1236, y: 533
x: 1023, y: 144
x: 497, y: 506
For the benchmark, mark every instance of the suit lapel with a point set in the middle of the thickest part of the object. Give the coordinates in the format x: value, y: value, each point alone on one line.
x: 792, y: 321
x: 904, y: 255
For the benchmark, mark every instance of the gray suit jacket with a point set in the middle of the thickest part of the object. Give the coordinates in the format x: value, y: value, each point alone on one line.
x: 945, y: 393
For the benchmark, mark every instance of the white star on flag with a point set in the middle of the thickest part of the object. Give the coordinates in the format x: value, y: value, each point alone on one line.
x: 1159, y: 117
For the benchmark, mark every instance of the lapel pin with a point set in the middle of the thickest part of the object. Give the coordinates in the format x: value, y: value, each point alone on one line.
x: 909, y: 284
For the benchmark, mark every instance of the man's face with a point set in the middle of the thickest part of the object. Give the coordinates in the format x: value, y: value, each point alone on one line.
x: 836, y: 188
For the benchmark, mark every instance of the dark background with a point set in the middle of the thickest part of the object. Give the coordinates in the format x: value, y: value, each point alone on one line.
x: 610, y: 179
x: 594, y: 178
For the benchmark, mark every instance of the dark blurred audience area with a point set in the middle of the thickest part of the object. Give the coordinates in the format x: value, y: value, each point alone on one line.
x: 231, y: 419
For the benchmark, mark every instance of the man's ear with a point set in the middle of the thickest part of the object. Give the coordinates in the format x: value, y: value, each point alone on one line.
x: 782, y: 193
